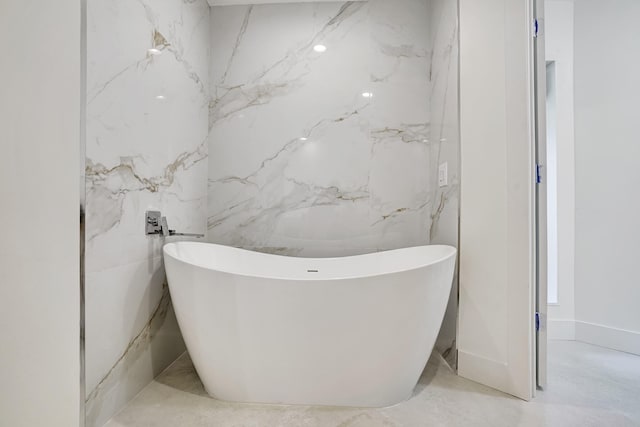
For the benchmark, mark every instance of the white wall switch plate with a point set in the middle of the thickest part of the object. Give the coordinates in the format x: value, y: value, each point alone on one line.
x: 443, y: 174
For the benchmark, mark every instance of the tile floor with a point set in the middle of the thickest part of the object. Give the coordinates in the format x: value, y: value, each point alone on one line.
x: 588, y: 386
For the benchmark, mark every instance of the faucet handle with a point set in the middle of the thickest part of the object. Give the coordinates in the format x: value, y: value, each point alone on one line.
x: 156, y: 224
x: 153, y: 223
x: 164, y: 226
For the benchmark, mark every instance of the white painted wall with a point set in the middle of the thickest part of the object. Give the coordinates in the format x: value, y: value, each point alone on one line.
x: 39, y: 183
x: 495, y: 333
x: 559, y: 48
x: 552, y: 185
x: 607, y: 89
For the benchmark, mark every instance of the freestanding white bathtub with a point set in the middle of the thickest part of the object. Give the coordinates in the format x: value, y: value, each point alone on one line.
x: 352, y: 331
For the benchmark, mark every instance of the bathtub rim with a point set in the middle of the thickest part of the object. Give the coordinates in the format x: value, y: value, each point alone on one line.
x: 451, y: 252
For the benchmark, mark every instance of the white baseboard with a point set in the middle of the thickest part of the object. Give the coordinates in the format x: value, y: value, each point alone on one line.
x: 606, y: 336
x: 489, y: 372
x: 482, y: 370
x: 561, y: 329
x: 591, y: 333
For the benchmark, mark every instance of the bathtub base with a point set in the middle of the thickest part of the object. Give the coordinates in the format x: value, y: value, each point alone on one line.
x: 302, y: 402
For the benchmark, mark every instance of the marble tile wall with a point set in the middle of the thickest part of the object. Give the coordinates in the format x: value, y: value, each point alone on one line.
x: 301, y: 162
x: 445, y: 133
x: 147, y: 114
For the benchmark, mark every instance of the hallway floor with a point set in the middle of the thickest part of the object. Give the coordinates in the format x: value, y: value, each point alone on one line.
x: 588, y: 386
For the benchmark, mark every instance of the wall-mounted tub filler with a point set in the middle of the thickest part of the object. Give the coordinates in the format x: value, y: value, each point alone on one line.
x: 156, y: 224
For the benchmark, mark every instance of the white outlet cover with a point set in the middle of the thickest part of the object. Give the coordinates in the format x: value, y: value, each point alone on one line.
x: 443, y: 174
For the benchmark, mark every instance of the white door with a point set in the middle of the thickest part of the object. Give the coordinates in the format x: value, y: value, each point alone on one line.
x: 496, y: 331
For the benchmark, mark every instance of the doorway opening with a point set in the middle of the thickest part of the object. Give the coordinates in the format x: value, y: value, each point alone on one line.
x: 591, y: 171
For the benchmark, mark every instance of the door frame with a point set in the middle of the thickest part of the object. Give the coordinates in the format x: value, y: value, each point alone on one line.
x: 539, y: 76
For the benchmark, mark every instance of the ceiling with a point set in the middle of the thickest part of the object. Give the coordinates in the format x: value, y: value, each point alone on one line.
x: 245, y: 2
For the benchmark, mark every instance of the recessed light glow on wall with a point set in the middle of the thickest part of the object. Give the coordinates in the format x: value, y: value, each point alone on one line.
x: 154, y: 51
x: 367, y: 95
x: 320, y: 48
x: 160, y: 97
x: 303, y: 138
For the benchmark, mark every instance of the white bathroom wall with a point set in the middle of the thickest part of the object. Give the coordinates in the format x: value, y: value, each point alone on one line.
x: 146, y: 150
x: 559, y: 39
x: 607, y: 89
x: 445, y: 129
x: 39, y: 183
x: 301, y: 162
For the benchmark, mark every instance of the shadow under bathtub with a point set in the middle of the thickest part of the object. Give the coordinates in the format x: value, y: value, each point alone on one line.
x: 182, y: 375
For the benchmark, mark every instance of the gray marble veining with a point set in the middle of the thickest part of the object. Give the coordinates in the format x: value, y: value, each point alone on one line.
x: 321, y: 153
x: 249, y: 132
x: 445, y: 132
x: 147, y: 148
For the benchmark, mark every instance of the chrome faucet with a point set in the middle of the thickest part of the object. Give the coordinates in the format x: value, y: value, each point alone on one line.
x: 156, y: 224
x: 164, y: 226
